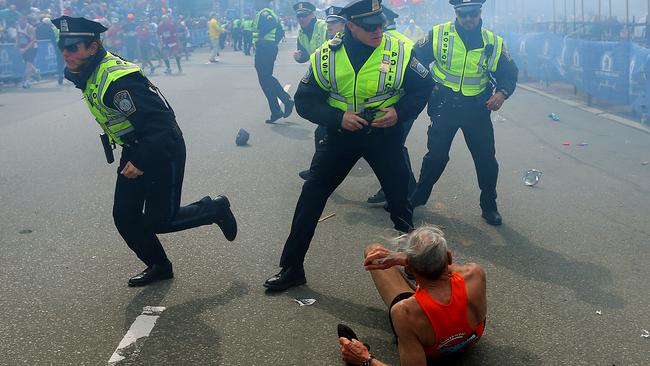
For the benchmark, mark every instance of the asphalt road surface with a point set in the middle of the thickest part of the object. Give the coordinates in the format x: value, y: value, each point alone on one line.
x: 567, y: 272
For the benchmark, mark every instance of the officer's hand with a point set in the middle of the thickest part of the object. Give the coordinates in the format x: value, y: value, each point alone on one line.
x: 387, y: 120
x: 297, y: 55
x: 130, y: 171
x: 352, y: 122
x: 496, y: 101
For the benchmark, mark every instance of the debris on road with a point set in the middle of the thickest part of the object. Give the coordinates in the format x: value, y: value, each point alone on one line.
x: 582, y: 144
x: 305, y: 302
x: 326, y: 217
x: 645, y: 333
x: 598, y: 312
x: 645, y: 163
x: 566, y: 143
x: 242, y: 137
x: 25, y: 231
x: 554, y: 116
x: 532, y: 177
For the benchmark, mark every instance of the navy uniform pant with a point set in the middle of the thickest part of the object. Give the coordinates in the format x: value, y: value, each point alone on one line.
x: 333, y: 160
x: 265, y: 55
x: 476, y: 124
x: 150, y: 205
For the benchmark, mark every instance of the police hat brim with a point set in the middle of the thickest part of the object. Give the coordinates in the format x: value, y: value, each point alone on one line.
x: 68, y: 41
x: 467, y: 8
x: 304, y: 12
x: 334, y: 18
x: 375, y: 19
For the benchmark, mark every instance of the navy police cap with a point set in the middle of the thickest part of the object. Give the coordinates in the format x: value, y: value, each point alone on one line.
x: 304, y: 7
x: 467, y: 5
x: 333, y: 14
x: 364, y: 11
x: 75, y: 30
x: 390, y: 15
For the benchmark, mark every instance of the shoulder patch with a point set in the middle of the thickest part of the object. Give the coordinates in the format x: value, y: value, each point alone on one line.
x: 305, y: 79
x: 124, y: 102
x: 416, y: 66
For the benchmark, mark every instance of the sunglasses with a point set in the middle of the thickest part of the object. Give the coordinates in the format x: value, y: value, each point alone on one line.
x: 301, y: 16
x: 70, y: 48
x: 369, y: 27
x: 468, y: 14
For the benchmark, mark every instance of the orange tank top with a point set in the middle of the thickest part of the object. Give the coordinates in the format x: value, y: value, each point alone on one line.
x: 449, y: 321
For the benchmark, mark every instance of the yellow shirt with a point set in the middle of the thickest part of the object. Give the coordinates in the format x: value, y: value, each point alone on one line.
x: 214, y: 29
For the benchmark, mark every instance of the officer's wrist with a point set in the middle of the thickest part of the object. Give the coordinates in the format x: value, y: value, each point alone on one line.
x: 504, y: 92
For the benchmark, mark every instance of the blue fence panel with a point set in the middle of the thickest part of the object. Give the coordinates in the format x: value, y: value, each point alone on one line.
x: 639, y: 78
x: 46, y: 57
x: 11, y: 62
x: 607, y: 70
x: 198, y: 37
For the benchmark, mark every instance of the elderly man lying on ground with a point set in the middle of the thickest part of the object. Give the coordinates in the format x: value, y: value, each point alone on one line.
x: 445, y: 314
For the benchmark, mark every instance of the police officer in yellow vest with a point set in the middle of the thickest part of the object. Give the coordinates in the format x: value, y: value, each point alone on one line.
x: 390, y: 29
x: 361, y: 87
x: 267, y: 33
x: 474, y: 76
x: 312, y: 32
x: 247, y: 31
x: 133, y: 114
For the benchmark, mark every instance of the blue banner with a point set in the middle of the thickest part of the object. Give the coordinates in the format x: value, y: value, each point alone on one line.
x: 12, y: 66
x: 198, y: 37
x: 618, y: 72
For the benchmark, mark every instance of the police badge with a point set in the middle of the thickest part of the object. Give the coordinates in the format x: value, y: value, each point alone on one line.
x: 124, y: 103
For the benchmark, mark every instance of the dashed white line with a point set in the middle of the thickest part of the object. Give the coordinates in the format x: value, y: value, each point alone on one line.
x: 140, y: 328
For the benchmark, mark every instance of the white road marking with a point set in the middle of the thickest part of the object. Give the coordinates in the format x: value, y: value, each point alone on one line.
x: 286, y: 89
x: 140, y: 328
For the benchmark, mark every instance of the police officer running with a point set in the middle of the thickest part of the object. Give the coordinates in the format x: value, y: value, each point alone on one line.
x: 468, y: 64
x: 361, y: 87
x: 134, y: 115
x: 312, y: 32
x: 267, y: 33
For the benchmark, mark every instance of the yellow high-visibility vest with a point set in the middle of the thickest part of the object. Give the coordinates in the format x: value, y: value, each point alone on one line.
x: 461, y: 70
x: 318, y: 36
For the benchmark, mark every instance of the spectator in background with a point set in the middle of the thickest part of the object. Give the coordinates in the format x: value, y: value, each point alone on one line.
x: 214, y: 33
x: 114, y: 40
x: 145, y: 44
x: 183, y: 36
x: 46, y: 31
x: 130, y: 38
x: 169, y: 42
x: 27, y: 46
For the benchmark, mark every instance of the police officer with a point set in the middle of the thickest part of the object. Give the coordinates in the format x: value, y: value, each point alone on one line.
x: 361, y: 87
x: 312, y: 32
x: 247, y: 32
x: 390, y: 29
x: 267, y: 33
x: 134, y: 115
x: 464, y: 58
x: 335, y: 24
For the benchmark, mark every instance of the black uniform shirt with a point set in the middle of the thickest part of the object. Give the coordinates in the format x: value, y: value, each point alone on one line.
x: 506, y: 73
x: 155, y: 126
x: 311, y: 100
x: 309, y: 31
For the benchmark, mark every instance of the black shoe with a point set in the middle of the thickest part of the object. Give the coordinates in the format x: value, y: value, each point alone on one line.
x: 304, y: 174
x: 224, y: 217
x: 153, y: 273
x: 347, y: 332
x: 288, y: 108
x: 378, y: 197
x: 273, y: 118
x: 287, y: 277
x: 492, y: 217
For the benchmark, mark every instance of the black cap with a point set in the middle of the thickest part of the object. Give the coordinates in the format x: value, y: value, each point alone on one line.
x: 334, y: 14
x: 390, y: 15
x: 304, y: 7
x: 75, y: 30
x: 364, y: 11
x: 467, y: 5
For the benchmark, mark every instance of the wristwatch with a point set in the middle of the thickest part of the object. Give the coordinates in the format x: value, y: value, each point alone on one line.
x: 368, y: 361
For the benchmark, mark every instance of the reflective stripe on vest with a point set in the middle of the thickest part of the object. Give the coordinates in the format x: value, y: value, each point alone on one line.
x: 270, y: 36
x: 318, y: 36
x: 459, y: 69
x: 394, y: 33
x: 378, y: 84
x: 111, y: 120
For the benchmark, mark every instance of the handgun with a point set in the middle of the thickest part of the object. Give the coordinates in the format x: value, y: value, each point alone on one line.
x: 108, y: 147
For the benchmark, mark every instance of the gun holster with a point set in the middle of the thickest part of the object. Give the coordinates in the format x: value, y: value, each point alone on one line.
x: 108, y: 147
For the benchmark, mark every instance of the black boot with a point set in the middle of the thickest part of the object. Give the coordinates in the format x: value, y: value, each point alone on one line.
x: 304, y: 174
x: 378, y: 197
x: 273, y: 118
x: 287, y: 277
x: 224, y: 217
x: 288, y: 108
x: 492, y: 217
x: 153, y: 273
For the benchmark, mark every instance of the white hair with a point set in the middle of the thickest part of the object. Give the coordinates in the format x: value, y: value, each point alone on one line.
x: 427, y: 251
